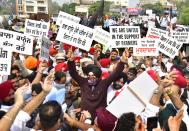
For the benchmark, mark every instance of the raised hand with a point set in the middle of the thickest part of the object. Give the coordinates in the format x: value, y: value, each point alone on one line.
x: 42, y: 66
x: 47, y: 86
x: 19, y: 100
x: 125, y: 55
x: 70, y: 55
x: 174, y: 122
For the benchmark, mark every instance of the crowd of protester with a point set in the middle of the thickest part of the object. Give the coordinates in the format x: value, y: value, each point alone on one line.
x: 72, y: 90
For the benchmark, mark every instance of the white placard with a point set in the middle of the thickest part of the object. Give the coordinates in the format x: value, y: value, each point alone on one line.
x: 125, y: 36
x: 16, y: 42
x: 65, y: 16
x: 36, y: 28
x: 76, y: 35
x: 182, y: 37
x: 102, y: 36
x: 168, y: 46
x: 5, y: 61
x: 145, y: 18
x: 135, y: 97
x: 44, y: 52
x: 155, y: 33
x: 149, y: 47
x: 149, y: 12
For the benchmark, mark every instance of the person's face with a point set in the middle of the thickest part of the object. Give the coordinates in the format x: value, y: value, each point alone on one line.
x: 118, y: 84
x: 126, y: 69
x: 34, y: 94
x: 91, y: 76
x: 62, y: 80
x: 131, y: 76
x: 84, y: 54
x: 148, y: 63
x: 16, y: 72
x: 113, y: 55
x: 59, y: 61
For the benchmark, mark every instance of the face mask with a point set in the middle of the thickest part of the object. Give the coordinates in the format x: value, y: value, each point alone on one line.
x: 92, y: 82
x: 58, y: 86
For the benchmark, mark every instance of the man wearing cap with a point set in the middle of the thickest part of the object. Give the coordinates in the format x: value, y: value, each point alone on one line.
x: 94, y: 90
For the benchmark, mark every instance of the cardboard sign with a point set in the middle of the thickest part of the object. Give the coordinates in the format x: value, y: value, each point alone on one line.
x: 125, y: 36
x: 36, y: 28
x: 169, y: 46
x: 182, y: 37
x: 65, y: 16
x: 134, y: 97
x: 102, y: 36
x: 5, y: 61
x: 44, y: 52
x: 16, y: 42
x: 155, y: 33
x: 75, y: 34
x: 149, y: 47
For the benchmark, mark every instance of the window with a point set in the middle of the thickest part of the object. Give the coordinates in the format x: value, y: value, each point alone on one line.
x: 20, y: 8
x: 30, y: 8
x: 40, y: 2
x: 20, y: 13
x: 20, y: 2
x: 41, y: 9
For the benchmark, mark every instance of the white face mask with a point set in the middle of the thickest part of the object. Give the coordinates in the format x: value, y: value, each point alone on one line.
x: 58, y: 86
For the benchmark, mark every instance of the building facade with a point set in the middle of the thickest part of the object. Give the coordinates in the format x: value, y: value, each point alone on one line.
x: 27, y: 7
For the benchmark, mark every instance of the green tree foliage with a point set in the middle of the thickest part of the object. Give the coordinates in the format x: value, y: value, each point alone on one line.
x: 157, y: 8
x: 55, y: 7
x: 183, y: 12
x: 69, y: 8
x: 93, y: 8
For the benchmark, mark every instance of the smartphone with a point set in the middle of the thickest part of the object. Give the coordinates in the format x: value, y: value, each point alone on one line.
x: 152, y: 122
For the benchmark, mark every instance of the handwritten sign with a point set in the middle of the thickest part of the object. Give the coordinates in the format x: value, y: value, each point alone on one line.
x: 102, y: 36
x: 36, y: 28
x: 125, y: 36
x: 149, y: 47
x: 155, y: 33
x: 65, y: 16
x: 16, y: 42
x: 45, y: 45
x: 75, y: 34
x: 169, y: 46
x: 135, y: 95
x: 5, y: 61
x: 182, y: 37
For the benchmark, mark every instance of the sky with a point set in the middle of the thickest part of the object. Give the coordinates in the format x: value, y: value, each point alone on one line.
x: 60, y: 2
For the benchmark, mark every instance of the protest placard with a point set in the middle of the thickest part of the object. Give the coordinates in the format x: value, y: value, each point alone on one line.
x: 182, y: 37
x: 102, y: 36
x: 16, y: 42
x: 65, y: 16
x: 168, y: 46
x: 75, y: 34
x: 5, y: 61
x: 148, y: 12
x: 36, y: 28
x: 135, y: 95
x: 44, y: 52
x: 149, y: 47
x: 125, y: 36
x: 155, y: 33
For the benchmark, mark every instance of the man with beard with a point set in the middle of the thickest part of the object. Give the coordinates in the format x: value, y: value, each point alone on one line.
x: 116, y: 87
x: 114, y: 59
x: 93, y: 89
